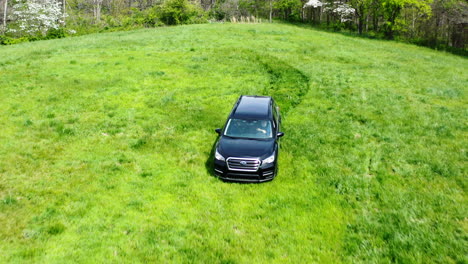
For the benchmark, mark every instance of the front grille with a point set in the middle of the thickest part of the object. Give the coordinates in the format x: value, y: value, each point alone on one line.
x: 243, y: 164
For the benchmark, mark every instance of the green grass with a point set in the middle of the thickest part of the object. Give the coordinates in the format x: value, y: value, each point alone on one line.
x: 105, y: 140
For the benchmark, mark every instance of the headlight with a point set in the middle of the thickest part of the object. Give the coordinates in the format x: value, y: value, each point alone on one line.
x: 219, y: 156
x: 269, y: 159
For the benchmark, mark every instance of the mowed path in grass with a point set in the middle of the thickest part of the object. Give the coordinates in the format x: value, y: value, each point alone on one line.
x: 105, y: 140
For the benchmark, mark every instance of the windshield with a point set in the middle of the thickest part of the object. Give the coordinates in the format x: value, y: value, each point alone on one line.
x: 248, y: 128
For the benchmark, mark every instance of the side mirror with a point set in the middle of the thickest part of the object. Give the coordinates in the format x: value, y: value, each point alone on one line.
x: 218, y: 130
x: 280, y: 134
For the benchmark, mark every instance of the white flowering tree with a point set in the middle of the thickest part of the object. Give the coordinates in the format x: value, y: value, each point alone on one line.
x: 36, y: 17
x: 344, y: 11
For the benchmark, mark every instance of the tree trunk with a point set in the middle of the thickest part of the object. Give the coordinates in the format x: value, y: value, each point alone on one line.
x: 360, y: 24
x: 367, y: 23
x: 458, y: 40
x: 320, y: 15
x: 361, y: 15
x: 97, y: 10
x: 375, y: 23
x: 436, y: 31
x: 389, y: 30
x: 64, y: 11
x: 271, y: 9
x: 5, y: 14
x: 358, y: 15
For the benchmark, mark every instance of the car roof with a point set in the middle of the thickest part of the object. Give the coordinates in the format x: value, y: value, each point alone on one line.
x: 252, y: 107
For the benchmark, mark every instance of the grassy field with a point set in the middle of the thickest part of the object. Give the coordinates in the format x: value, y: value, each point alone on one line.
x: 105, y: 143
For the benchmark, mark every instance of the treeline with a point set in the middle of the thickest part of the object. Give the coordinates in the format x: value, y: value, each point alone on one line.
x: 434, y: 23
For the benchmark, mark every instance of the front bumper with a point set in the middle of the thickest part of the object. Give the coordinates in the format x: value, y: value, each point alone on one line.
x: 264, y: 173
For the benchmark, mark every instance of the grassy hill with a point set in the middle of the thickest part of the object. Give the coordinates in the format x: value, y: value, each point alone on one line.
x: 105, y: 142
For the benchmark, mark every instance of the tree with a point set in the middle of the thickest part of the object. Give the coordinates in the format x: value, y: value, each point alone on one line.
x: 36, y: 17
x: 289, y: 8
x: 252, y: 7
x: 392, y: 10
x: 458, y: 21
x: 361, y: 8
x: 314, y: 9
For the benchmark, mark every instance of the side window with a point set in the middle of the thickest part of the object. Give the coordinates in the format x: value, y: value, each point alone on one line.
x: 278, y: 116
x: 275, y: 114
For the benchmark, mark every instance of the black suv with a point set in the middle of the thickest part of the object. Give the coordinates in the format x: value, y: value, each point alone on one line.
x: 247, y: 147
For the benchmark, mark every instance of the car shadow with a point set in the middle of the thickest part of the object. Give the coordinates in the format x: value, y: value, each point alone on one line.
x: 209, y: 163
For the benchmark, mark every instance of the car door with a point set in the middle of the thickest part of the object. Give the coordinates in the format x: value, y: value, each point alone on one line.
x: 276, y: 116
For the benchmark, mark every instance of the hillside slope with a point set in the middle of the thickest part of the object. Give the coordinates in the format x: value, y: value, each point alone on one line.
x: 106, y: 140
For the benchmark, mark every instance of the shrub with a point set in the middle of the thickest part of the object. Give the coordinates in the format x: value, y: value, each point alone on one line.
x: 137, y: 17
x: 55, y: 33
x: 217, y: 13
x: 111, y: 21
x: 176, y: 12
x: 151, y: 17
x: 4, y: 40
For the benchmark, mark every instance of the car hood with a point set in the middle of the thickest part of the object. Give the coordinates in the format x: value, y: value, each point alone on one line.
x: 238, y: 147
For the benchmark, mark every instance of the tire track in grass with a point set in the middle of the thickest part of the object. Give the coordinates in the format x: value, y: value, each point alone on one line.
x: 326, y: 219
x: 287, y: 86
